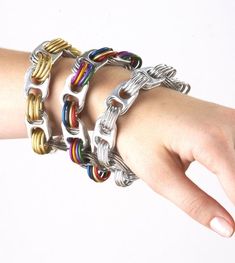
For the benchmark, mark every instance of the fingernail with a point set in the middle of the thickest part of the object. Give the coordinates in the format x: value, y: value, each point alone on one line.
x: 221, y: 226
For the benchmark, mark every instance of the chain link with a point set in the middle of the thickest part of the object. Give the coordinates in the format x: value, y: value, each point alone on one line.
x: 42, y: 68
x: 36, y: 87
x: 34, y: 107
x: 73, y: 97
x: 124, y: 95
x: 101, y: 157
x: 165, y: 74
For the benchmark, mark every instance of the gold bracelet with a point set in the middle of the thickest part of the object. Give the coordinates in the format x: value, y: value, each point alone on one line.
x: 36, y: 87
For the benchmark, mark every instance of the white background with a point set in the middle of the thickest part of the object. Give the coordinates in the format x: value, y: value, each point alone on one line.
x: 49, y: 210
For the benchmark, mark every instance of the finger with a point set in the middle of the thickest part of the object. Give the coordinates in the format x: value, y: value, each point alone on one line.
x: 170, y: 181
x: 217, y: 154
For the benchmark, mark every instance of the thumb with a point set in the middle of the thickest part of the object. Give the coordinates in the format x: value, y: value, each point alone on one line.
x: 170, y: 181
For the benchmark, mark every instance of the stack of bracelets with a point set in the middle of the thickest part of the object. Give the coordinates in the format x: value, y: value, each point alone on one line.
x: 97, y: 154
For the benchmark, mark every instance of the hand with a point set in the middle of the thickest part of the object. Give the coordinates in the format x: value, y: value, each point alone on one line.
x: 162, y: 133
x: 165, y: 131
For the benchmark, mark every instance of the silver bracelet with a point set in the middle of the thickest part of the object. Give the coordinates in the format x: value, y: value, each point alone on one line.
x: 105, y: 132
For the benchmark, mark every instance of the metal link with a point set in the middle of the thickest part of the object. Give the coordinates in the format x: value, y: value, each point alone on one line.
x: 79, y: 96
x: 81, y: 133
x: 57, y: 142
x: 39, y: 141
x: 133, y: 86
x: 122, y: 179
x: 122, y: 174
x: 177, y: 85
x: 37, y: 79
x: 43, y: 124
x: 103, y: 153
x: 34, y: 107
x: 56, y: 46
x: 165, y: 75
x: 109, y: 118
x: 76, y: 88
x: 29, y: 84
x: 59, y: 45
x: 42, y: 69
x: 153, y: 80
x: 86, y: 56
x: 117, y: 61
x: 104, y: 138
x: 127, y: 92
x: 116, y: 97
x: 107, y: 126
x: 92, y: 159
x: 99, y: 134
x: 117, y: 162
x: 162, y: 70
x: 41, y: 49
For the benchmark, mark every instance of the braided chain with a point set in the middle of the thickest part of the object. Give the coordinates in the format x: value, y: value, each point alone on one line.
x: 37, y: 80
x: 121, y: 99
x: 73, y: 98
x: 100, y: 158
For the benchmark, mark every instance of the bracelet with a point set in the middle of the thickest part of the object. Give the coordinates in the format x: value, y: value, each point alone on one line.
x: 36, y: 88
x: 99, y: 156
x: 75, y: 134
x: 118, y: 103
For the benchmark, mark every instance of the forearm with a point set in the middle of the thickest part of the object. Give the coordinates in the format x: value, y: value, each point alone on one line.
x: 158, y: 138
x: 13, y: 65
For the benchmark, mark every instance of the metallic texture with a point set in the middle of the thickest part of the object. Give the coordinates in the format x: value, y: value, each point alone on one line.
x: 34, y: 107
x: 42, y: 68
x: 97, y: 174
x: 39, y: 142
x: 36, y: 87
x: 73, y: 97
x: 123, y: 96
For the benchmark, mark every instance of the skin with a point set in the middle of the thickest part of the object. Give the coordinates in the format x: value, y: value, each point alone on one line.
x: 159, y: 137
